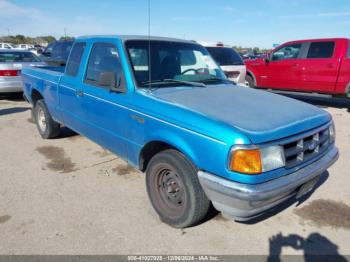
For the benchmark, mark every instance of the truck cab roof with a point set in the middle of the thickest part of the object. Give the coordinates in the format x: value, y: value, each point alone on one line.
x: 133, y: 37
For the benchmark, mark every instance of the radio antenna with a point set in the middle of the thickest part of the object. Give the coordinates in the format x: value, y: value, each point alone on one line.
x: 149, y: 45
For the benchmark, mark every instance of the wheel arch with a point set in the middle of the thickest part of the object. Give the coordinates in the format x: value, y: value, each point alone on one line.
x: 347, y: 89
x: 251, y: 74
x: 151, y: 148
x: 35, y: 96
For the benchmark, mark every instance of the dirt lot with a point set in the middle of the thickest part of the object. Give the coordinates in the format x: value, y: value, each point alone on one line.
x: 70, y: 196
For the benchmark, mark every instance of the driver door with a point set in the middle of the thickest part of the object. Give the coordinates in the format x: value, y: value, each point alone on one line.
x: 105, y: 109
x: 281, y: 71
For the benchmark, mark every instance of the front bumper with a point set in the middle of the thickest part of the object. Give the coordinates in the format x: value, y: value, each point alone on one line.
x: 243, y: 202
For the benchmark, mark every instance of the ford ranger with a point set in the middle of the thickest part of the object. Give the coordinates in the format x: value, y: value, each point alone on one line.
x: 165, y: 106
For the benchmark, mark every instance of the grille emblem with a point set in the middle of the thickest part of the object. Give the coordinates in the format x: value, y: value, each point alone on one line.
x: 312, y: 146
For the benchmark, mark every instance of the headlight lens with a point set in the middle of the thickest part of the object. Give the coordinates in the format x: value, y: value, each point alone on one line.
x: 332, y: 133
x: 257, y: 160
x: 272, y: 158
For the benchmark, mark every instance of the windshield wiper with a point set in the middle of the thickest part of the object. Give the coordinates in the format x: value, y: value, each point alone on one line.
x: 170, y: 81
x: 215, y: 79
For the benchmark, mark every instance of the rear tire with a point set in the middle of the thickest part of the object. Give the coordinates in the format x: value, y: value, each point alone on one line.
x: 250, y: 81
x: 47, y: 127
x: 174, y: 190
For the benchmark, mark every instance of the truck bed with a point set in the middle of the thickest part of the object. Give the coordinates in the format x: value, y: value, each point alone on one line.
x: 46, y: 73
x: 44, y: 80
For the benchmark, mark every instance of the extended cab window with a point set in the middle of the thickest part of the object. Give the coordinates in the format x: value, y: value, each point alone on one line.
x: 103, y: 61
x: 286, y: 52
x: 321, y: 50
x: 75, y: 59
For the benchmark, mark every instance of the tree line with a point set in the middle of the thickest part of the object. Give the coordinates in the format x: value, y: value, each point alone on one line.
x: 21, y: 39
x: 251, y: 50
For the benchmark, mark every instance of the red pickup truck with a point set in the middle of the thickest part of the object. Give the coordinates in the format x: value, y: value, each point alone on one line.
x: 318, y: 65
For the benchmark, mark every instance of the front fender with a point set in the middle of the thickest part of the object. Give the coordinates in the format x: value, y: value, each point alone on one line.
x: 175, y: 140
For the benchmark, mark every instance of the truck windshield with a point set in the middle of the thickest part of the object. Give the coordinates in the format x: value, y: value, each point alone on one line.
x: 225, y: 56
x: 172, y: 64
x: 18, y: 57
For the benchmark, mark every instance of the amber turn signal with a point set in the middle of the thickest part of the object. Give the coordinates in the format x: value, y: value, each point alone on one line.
x: 246, y: 161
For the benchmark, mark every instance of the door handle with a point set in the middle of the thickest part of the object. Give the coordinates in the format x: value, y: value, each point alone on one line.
x: 295, y: 65
x: 79, y: 93
x: 330, y: 65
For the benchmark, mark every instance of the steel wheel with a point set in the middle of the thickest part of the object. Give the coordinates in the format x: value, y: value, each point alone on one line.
x: 47, y: 127
x: 174, y: 189
x: 170, y: 192
x: 41, y: 119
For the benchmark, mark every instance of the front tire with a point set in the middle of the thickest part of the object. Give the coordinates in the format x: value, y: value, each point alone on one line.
x: 174, y: 190
x: 47, y: 127
x: 250, y: 81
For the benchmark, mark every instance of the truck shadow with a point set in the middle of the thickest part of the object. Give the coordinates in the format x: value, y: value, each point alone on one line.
x: 315, y: 247
x: 13, y: 110
x: 65, y: 132
x: 323, y: 101
x: 291, y: 201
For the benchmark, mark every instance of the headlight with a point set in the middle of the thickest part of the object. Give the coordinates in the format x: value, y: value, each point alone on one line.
x: 332, y: 133
x: 256, y: 160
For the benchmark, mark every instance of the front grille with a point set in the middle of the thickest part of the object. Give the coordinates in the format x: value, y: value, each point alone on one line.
x: 306, y: 148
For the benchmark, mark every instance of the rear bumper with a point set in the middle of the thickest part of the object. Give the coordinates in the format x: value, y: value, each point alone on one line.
x: 240, y: 78
x: 242, y: 202
x: 11, y: 86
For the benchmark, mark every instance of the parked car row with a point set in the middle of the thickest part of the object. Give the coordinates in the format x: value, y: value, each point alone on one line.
x: 36, y: 49
x: 6, y: 46
x: 318, y: 66
x: 167, y: 108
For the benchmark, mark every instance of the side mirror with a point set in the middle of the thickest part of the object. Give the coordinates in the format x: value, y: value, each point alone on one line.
x: 110, y: 80
x: 267, y: 60
x: 39, y: 51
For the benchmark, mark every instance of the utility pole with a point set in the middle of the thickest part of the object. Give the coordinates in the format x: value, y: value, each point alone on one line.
x: 65, y: 33
x: 8, y: 32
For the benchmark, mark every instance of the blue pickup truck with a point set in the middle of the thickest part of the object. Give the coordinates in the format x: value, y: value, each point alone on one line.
x: 165, y: 106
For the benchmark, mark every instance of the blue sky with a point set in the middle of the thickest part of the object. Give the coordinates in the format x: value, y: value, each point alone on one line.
x: 248, y: 23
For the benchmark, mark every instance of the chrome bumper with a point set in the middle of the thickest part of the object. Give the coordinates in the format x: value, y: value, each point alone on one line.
x: 243, y: 202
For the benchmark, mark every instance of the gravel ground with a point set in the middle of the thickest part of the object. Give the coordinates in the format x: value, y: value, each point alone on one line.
x: 70, y: 196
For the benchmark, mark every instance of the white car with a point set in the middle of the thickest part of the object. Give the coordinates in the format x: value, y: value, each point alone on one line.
x: 6, y: 46
x: 229, y: 61
x: 24, y: 47
x: 11, y: 64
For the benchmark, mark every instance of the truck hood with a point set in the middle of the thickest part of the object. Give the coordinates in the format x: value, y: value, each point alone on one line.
x: 260, y: 115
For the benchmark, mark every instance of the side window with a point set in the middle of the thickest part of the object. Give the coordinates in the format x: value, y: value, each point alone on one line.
x: 73, y: 63
x: 104, y: 68
x: 321, y: 50
x: 286, y: 52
